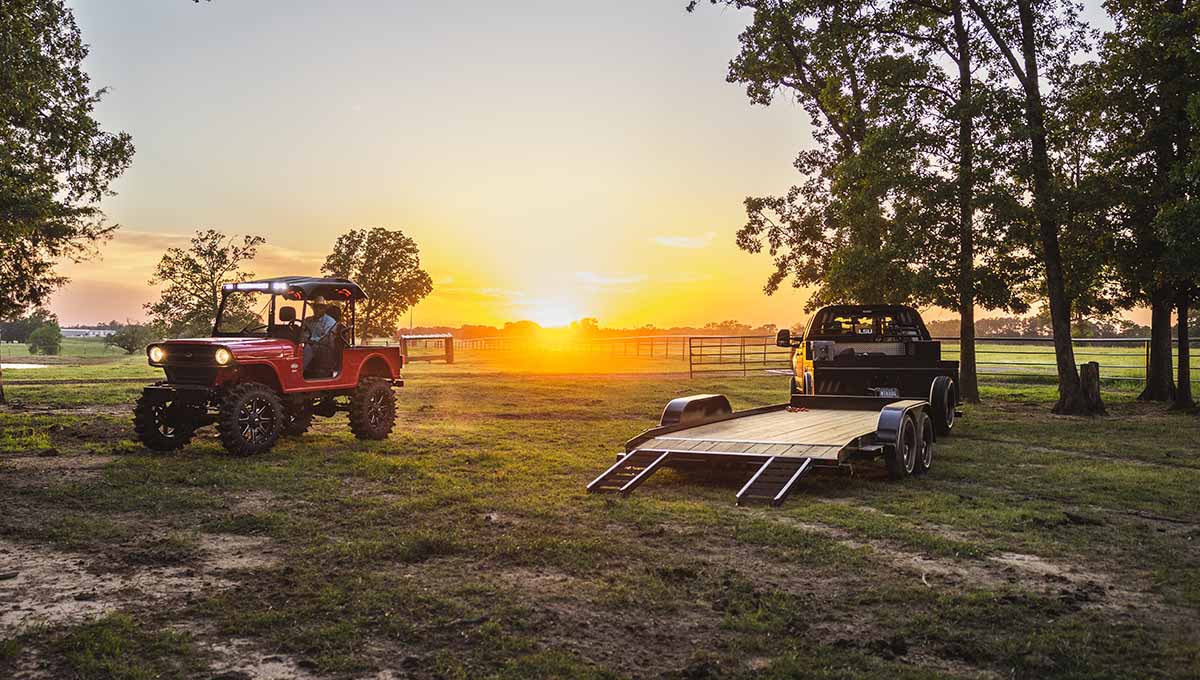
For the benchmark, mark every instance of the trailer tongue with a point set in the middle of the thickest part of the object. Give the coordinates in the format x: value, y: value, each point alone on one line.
x: 785, y: 441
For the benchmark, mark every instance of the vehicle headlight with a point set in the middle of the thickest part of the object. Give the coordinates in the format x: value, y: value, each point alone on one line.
x: 222, y: 356
x: 157, y: 354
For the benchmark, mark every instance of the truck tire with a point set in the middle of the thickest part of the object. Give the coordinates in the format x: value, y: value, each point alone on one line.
x: 299, y: 417
x: 251, y: 419
x: 373, y: 409
x: 924, y: 444
x: 152, y: 429
x: 903, y: 455
x: 942, y: 403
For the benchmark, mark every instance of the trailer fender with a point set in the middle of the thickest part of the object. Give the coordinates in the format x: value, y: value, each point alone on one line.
x: 695, y: 409
x: 891, y: 418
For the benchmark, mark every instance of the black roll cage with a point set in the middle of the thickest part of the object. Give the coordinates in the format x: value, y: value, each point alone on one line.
x: 271, y: 325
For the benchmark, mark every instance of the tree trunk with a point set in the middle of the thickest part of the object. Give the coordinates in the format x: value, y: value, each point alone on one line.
x: 2, y: 399
x: 1089, y: 382
x: 1183, y: 392
x: 1071, y: 400
x: 1159, y: 386
x: 968, y: 381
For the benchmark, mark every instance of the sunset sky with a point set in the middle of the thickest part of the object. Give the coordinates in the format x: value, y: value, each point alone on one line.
x: 554, y: 160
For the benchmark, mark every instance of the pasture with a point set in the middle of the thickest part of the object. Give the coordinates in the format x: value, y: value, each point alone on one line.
x: 465, y: 547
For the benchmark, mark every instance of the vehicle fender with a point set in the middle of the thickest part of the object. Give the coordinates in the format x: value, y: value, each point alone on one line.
x: 263, y: 372
x: 891, y: 417
x: 379, y: 365
x: 695, y: 409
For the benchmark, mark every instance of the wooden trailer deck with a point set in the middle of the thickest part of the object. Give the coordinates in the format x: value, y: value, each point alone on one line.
x: 819, y: 435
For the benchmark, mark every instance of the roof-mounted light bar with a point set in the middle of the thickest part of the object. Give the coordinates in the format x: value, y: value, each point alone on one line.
x: 277, y: 286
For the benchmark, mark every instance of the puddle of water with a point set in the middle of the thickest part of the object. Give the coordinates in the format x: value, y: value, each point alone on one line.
x: 22, y: 366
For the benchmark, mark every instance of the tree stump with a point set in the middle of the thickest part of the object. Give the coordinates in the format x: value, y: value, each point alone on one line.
x: 1089, y: 382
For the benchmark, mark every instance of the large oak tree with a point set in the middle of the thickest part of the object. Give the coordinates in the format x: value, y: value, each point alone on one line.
x: 387, y: 264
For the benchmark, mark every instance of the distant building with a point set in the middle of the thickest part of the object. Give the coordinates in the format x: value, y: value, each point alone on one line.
x: 87, y: 332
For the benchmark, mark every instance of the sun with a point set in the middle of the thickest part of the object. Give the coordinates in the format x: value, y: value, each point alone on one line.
x: 553, y: 313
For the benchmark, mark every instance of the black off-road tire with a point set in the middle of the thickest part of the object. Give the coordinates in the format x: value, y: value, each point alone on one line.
x: 153, y: 433
x: 373, y: 409
x: 902, y: 458
x: 942, y: 403
x: 924, y: 444
x: 298, y: 417
x: 251, y: 419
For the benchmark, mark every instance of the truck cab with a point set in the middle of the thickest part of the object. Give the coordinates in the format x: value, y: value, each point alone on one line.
x: 872, y: 350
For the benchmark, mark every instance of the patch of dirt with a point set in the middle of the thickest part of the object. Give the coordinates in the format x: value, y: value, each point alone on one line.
x: 1074, y: 583
x: 123, y: 410
x: 37, y: 467
x: 43, y: 586
x: 237, y: 659
x: 254, y: 502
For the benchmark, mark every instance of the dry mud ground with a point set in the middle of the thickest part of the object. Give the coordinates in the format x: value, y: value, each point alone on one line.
x: 465, y: 547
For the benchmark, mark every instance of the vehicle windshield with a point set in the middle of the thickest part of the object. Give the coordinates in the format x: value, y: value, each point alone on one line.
x: 872, y: 325
x: 248, y: 313
x: 245, y: 313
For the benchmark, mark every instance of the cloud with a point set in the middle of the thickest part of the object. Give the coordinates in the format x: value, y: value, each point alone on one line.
x: 594, y: 279
x: 693, y: 242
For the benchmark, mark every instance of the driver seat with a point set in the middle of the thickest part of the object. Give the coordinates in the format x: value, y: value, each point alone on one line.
x: 328, y: 360
x: 290, y: 330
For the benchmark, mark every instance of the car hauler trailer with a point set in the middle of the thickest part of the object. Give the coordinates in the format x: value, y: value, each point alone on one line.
x: 871, y: 385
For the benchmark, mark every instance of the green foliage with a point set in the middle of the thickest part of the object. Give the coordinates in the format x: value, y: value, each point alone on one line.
x: 877, y: 218
x: 133, y: 337
x: 47, y: 339
x: 387, y: 264
x: 19, y: 329
x: 56, y: 163
x: 193, y: 278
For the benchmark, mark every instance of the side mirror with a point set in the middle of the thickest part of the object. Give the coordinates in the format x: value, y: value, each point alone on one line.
x: 783, y: 338
x: 287, y: 314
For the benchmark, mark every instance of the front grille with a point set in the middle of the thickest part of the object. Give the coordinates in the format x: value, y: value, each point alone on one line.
x: 190, y: 355
x: 191, y: 375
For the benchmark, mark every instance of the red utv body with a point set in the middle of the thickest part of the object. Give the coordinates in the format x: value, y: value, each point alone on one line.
x: 249, y: 377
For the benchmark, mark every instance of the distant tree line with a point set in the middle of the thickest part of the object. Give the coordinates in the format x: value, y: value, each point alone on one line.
x: 994, y: 154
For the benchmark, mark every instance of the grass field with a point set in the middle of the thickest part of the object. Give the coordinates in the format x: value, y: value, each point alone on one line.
x: 465, y: 547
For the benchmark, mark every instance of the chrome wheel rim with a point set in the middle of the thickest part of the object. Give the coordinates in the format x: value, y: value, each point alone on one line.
x: 910, y: 448
x: 256, y: 420
x: 377, y: 408
x: 160, y: 420
x: 926, y: 449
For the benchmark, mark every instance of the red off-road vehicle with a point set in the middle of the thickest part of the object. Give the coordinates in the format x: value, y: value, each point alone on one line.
x: 248, y: 379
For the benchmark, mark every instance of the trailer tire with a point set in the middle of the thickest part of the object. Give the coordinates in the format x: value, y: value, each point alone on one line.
x: 251, y: 419
x: 903, y: 456
x: 924, y: 444
x: 942, y: 402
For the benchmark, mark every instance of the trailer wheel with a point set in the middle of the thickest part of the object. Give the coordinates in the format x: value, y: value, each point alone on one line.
x: 924, y: 444
x: 942, y: 403
x: 251, y: 419
x: 903, y: 456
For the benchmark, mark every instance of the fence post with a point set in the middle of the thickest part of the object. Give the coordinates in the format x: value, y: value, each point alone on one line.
x: 1146, y: 371
x: 690, y: 359
x: 449, y: 350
